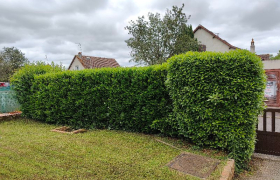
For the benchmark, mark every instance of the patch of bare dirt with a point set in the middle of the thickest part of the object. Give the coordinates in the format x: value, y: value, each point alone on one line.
x: 261, y: 169
x: 68, y: 130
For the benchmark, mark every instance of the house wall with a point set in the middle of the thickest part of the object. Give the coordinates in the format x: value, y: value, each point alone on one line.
x: 75, y: 63
x: 271, y: 64
x: 212, y: 44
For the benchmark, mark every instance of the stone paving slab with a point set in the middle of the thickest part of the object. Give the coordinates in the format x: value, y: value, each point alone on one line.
x: 196, y: 165
x: 9, y: 116
x: 267, y: 168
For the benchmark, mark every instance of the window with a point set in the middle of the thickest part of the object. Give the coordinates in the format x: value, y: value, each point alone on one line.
x: 76, y: 67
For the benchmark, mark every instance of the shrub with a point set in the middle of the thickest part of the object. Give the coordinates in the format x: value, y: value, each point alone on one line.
x: 217, y: 98
x: 212, y: 99
x: 23, y: 79
x: 167, y: 126
x: 114, y: 98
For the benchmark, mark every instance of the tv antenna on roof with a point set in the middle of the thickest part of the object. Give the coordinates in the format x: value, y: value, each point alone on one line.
x: 80, y: 46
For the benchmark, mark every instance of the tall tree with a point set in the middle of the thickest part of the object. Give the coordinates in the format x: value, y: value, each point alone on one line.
x: 155, y: 40
x: 11, y: 59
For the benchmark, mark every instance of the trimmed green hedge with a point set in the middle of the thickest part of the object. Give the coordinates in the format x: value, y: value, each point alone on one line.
x: 23, y: 79
x: 212, y: 99
x: 217, y: 98
x: 115, y: 98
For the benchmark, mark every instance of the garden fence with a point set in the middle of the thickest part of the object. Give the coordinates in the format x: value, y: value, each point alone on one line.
x: 8, y: 102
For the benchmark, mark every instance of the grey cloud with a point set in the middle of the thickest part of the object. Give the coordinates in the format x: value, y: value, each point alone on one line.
x: 8, y: 35
x: 59, y: 25
x: 198, y: 9
x: 263, y: 16
x: 54, y: 27
x: 50, y: 8
x: 36, y: 16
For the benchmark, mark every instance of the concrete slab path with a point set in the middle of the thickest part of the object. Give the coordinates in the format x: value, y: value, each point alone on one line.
x: 267, y: 168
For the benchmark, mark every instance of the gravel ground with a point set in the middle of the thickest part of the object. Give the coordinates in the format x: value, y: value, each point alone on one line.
x: 265, y: 167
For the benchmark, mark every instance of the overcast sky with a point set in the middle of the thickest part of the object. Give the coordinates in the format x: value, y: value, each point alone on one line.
x: 53, y: 28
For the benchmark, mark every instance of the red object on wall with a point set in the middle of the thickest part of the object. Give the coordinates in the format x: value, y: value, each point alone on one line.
x: 272, y: 93
x: 2, y: 84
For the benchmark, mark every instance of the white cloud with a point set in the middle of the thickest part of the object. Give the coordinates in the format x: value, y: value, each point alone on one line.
x: 53, y: 28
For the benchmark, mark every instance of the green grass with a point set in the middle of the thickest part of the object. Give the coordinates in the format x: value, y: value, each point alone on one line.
x: 29, y: 150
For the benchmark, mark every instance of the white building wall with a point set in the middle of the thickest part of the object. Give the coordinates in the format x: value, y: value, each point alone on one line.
x: 75, y: 63
x: 271, y: 64
x: 212, y: 44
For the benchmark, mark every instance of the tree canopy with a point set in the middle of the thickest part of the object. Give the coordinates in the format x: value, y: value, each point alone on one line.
x: 11, y: 59
x: 157, y: 39
x: 277, y: 57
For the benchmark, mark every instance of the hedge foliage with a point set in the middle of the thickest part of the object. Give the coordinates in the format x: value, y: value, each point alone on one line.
x: 115, y: 98
x: 212, y: 99
x: 217, y: 98
x: 23, y: 79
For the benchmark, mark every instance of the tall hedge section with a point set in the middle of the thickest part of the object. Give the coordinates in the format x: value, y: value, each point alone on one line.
x: 23, y: 79
x: 212, y: 99
x: 217, y: 98
x: 114, y: 98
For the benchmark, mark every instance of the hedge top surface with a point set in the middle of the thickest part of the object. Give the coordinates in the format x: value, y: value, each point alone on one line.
x: 217, y: 76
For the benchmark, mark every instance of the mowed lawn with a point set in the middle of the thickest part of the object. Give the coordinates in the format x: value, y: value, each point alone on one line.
x: 29, y: 150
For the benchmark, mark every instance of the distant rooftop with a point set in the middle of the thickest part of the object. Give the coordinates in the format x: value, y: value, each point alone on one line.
x: 216, y: 36
x: 90, y: 62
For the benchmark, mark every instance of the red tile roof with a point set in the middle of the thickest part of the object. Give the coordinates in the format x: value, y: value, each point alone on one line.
x: 215, y: 36
x: 264, y: 56
x: 90, y: 62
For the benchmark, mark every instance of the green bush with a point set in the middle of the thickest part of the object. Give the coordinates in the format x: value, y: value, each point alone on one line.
x: 115, y: 98
x: 212, y: 99
x: 167, y: 126
x: 23, y: 79
x: 217, y: 98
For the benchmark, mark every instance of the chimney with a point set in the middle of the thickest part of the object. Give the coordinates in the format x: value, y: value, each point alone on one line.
x: 80, y: 54
x: 252, y: 47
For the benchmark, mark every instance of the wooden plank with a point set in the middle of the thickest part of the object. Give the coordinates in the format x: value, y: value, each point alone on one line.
x: 268, y: 142
x: 272, y: 110
x: 264, y: 121
x: 277, y: 134
x: 273, y: 121
x: 267, y: 152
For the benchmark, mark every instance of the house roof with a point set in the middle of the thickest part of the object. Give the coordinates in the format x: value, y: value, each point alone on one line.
x: 90, y: 62
x: 215, y: 36
x: 264, y: 56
